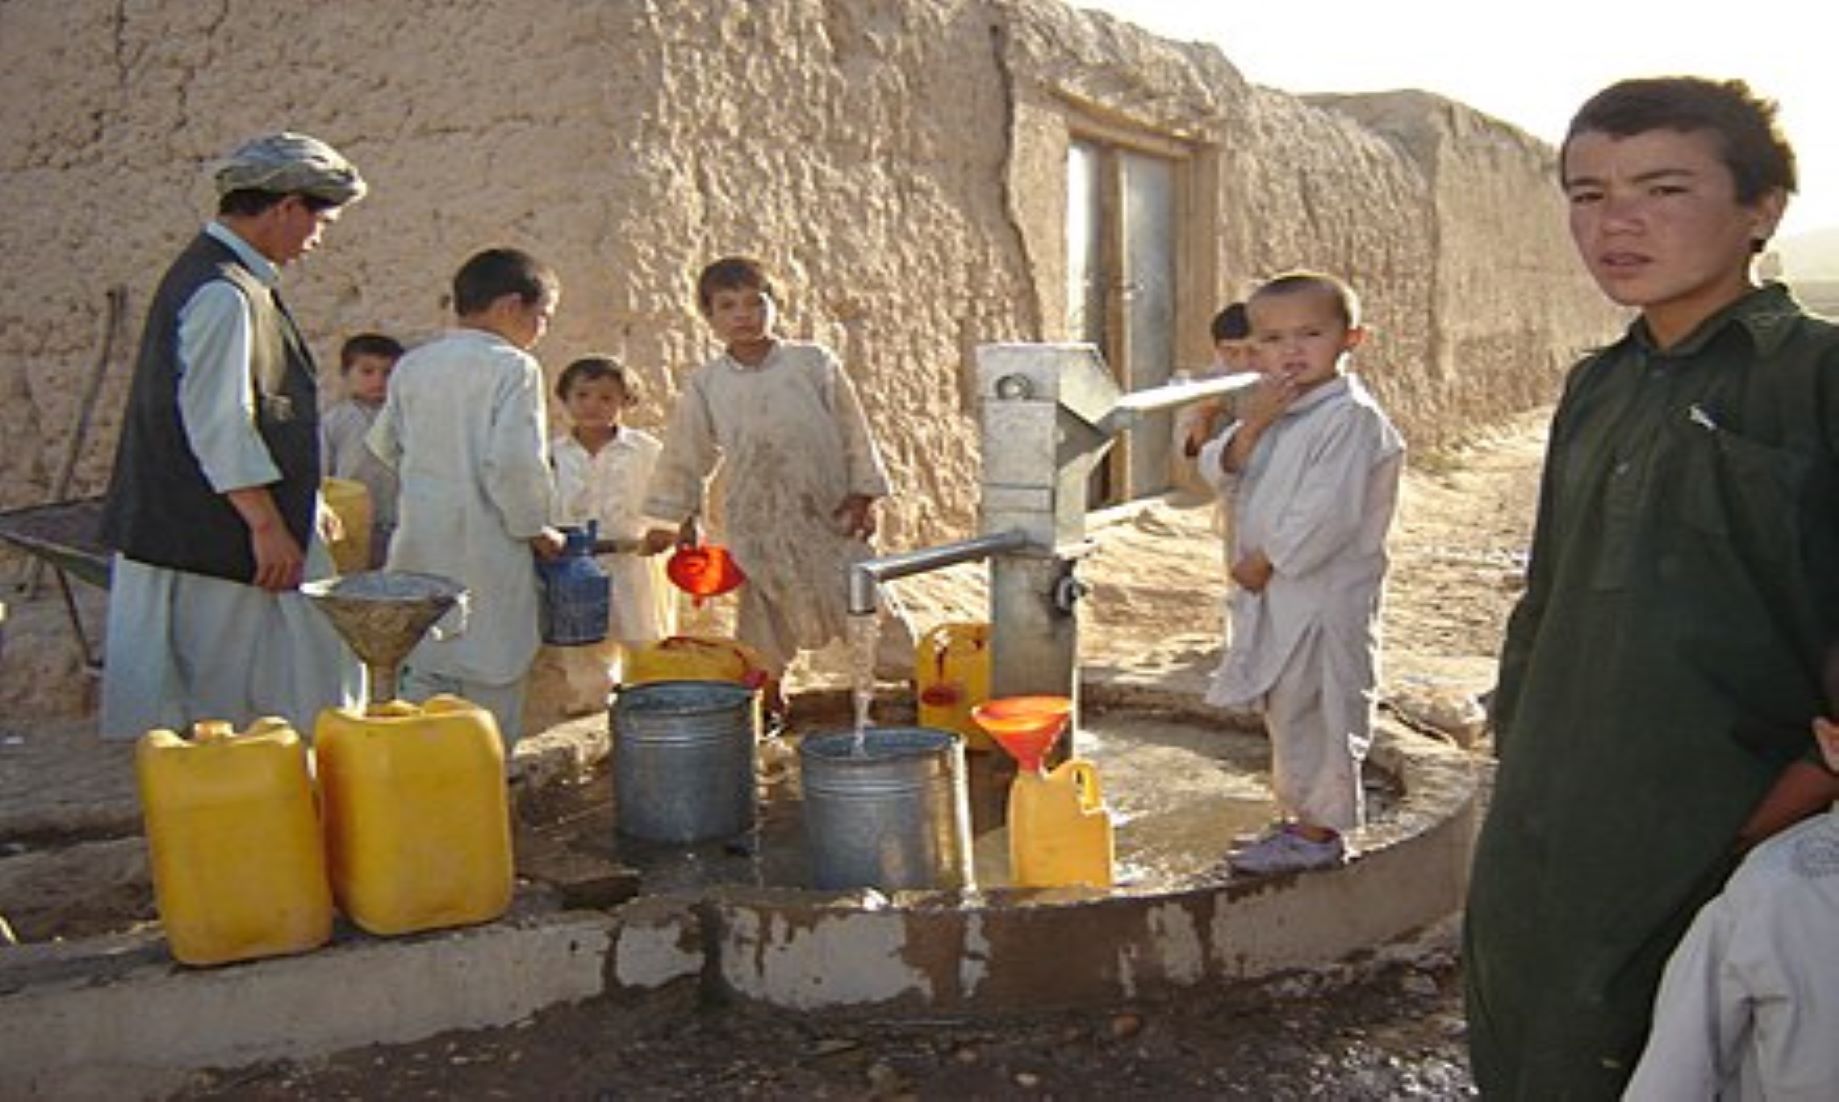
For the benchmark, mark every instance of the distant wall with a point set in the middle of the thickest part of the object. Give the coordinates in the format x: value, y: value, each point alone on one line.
x: 901, y: 162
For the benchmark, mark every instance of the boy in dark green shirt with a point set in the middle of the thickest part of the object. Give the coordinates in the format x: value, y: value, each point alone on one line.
x: 1661, y: 675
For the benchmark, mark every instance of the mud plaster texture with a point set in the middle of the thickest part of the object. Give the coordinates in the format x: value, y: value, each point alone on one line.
x: 902, y: 165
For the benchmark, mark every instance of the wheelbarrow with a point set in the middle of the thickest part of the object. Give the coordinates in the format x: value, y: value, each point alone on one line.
x: 66, y: 535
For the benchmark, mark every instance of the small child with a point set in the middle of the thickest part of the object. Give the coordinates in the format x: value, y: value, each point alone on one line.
x: 1196, y: 424
x: 1749, y: 1003
x: 602, y: 468
x: 1312, y: 469
x: 464, y: 428
x: 799, y: 470
x: 364, y: 364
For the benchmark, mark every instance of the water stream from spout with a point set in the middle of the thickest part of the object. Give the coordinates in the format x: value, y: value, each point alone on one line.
x: 863, y: 635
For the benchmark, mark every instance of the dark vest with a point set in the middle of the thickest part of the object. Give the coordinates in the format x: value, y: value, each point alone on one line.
x: 161, y: 510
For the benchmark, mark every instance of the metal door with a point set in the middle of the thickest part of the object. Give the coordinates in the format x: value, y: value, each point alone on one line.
x: 1121, y: 295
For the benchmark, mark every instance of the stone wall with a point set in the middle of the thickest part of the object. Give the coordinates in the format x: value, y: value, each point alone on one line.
x: 901, y: 163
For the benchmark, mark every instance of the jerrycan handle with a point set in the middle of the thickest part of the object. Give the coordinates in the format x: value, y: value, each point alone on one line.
x: 1084, y: 778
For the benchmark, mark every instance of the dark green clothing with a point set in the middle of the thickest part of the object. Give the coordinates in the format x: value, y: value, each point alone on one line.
x: 1660, y: 672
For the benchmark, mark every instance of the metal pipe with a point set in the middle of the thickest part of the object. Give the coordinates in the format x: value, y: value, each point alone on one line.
x: 865, y: 576
x: 1131, y: 407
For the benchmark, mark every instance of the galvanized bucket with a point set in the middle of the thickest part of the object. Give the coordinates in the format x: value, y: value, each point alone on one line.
x: 894, y: 816
x: 683, y: 759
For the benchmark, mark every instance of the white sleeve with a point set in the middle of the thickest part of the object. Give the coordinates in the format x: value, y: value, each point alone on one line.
x: 1209, y: 462
x: 517, y: 477
x: 689, y: 454
x: 1700, y: 1018
x: 216, y: 393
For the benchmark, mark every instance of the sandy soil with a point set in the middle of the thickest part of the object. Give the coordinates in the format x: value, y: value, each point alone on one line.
x: 1390, y: 1027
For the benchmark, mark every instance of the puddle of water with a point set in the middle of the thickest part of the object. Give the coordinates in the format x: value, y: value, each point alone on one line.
x: 1179, y: 791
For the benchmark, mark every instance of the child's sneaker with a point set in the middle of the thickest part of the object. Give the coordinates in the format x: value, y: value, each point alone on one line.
x: 1288, y: 851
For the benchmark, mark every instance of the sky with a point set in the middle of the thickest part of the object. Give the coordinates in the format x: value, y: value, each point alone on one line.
x: 1533, y: 64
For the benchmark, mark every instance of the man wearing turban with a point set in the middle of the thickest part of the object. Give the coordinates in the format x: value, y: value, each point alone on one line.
x: 213, y: 505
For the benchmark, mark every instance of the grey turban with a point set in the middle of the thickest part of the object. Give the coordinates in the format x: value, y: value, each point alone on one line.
x: 287, y: 163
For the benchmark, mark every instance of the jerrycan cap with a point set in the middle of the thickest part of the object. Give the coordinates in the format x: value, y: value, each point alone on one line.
x: 1025, y: 726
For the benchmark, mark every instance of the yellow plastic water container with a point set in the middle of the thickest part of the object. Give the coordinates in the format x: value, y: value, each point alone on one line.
x: 695, y: 658
x: 951, y: 673
x: 1059, y: 831
x: 418, y: 824
x: 234, y: 842
x: 350, y: 500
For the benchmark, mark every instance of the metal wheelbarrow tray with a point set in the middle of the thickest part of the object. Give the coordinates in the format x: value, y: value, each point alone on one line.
x: 66, y: 534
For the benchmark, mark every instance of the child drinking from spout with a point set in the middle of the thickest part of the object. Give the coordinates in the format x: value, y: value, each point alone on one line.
x: 800, y: 472
x: 1312, y: 469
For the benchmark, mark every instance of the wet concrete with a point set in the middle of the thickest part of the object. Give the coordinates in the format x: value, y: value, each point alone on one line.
x: 732, y: 919
x: 1179, y: 790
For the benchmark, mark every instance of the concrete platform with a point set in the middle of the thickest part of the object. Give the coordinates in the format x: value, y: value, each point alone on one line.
x: 116, y: 1017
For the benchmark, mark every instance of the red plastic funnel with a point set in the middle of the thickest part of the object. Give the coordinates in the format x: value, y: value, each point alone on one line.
x: 1025, y: 726
x: 705, y: 571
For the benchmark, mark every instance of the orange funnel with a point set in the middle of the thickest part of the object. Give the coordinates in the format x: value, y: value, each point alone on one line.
x: 1025, y: 726
x: 705, y: 571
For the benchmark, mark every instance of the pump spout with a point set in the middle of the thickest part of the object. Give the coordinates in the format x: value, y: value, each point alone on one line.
x: 1132, y: 407
x: 866, y: 576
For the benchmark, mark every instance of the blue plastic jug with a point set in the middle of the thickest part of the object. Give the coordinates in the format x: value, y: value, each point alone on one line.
x: 577, y: 594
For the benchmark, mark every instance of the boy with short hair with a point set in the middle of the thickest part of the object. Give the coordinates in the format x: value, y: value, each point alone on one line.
x: 800, y: 470
x: 364, y: 363
x: 1312, y: 467
x: 464, y: 427
x: 1661, y: 672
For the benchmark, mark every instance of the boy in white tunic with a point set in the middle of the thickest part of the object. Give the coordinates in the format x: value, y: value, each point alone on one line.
x: 465, y: 429
x: 602, y: 468
x: 1749, y: 1004
x: 799, y: 471
x: 1311, y: 469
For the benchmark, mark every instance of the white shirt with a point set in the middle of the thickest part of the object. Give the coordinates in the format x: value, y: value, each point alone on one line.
x: 1749, y: 1005
x: 608, y: 487
x: 464, y: 428
x: 1317, y: 497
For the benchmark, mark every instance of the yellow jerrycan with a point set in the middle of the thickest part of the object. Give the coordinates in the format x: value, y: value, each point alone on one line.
x: 418, y: 825
x: 1059, y: 831
x: 350, y: 500
x: 695, y: 658
x: 951, y: 675
x: 233, y: 840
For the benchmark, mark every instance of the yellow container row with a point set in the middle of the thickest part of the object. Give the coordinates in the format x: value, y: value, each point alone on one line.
x: 410, y: 829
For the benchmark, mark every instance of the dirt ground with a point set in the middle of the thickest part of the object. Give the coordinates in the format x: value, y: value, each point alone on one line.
x: 1387, y: 1027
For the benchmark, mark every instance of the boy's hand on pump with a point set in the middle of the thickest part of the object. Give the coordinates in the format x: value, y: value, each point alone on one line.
x: 856, y: 516
x: 657, y: 541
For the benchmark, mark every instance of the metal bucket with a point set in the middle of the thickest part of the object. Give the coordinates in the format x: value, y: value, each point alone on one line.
x: 683, y: 759
x: 895, y: 816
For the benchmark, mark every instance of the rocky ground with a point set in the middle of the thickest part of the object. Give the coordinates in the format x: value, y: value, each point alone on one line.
x: 1387, y: 1027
